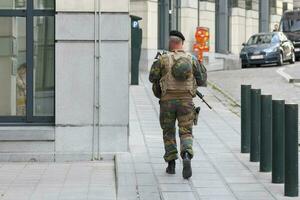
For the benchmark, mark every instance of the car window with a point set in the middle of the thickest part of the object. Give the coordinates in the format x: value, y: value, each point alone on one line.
x: 294, y: 24
x: 260, y: 39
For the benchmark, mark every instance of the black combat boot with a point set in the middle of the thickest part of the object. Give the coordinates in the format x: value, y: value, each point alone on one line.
x: 171, y: 167
x: 187, y: 167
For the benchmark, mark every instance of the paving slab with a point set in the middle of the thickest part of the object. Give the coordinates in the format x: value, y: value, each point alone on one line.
x: 48, y: 181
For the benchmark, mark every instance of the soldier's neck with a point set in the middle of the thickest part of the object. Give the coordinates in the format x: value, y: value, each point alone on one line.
x: 177, y: 50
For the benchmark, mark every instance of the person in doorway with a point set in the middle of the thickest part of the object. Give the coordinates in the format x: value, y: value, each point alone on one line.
x: 21, y: 90
x: 177, y: 74
x: 276, y: 28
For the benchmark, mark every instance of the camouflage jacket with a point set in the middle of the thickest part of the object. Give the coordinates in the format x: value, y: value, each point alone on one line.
x: 157, y: 69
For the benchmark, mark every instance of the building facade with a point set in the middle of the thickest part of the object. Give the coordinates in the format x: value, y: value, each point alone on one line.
x: 296, y: 4
x: 230, y: 22
x: 64, y: 69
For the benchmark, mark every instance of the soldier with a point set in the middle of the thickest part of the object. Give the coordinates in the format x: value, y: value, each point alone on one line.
x: 175, y: 77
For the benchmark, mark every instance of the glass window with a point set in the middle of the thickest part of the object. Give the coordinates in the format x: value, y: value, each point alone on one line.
x: 284, y: 7
x: 27, y: 61
x: 44, y: 4
x: 292, y: 25
x: 12, y: 66
x: 248, y: 4
x: 44, y: 66
x: 12, y: 4
x: 234, y: 3
x: 273, y: 4
x: 260, y: 39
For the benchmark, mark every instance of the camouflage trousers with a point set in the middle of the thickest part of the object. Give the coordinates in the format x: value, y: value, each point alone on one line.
x: 182, y: 111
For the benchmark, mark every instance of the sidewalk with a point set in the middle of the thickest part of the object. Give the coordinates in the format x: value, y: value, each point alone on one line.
x: 63, y: 181
x: 220, y: 171
x: 294, y: 73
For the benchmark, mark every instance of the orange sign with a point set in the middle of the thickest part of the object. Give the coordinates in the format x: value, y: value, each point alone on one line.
x: 202, y: 42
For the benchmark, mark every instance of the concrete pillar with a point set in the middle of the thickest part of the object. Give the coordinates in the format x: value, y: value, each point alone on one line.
x: 264, y: 15
x: 207, y: 18
x: 189, y: 21
x: 148, y: 10
x: 237, y: 27
x: 276, y: 10
x: 291, y: 4
x: 222, y: 26
x: 252, y: 22
x: 78, y: 92
x: 296, y: 4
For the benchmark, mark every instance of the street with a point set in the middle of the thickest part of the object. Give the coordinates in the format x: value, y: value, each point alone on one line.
x: 266, y: 78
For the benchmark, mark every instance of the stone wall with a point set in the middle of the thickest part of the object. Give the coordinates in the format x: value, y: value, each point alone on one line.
x: 78, y: 93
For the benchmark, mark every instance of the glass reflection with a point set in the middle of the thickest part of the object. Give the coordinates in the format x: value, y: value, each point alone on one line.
x: 12, y: 66
x: 43, y: 4
x: 44, y: 66
x: 12, y: 4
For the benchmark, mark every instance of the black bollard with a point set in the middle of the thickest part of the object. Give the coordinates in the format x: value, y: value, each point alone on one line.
x: 291, y: 150
x: 278, y: 141
x: 255, y: 125
x: 266, y: 134
x: 245, y: 118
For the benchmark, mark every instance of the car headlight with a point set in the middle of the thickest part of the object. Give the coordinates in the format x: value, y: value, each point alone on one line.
x: 270, y: 50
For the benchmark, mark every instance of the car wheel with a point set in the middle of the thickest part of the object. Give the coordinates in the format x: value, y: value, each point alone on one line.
x: 244, y: 66
x: 280, y: 62
x: 293, y: 59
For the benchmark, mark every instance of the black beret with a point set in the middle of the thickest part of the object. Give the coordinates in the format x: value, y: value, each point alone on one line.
x: 177, y: 33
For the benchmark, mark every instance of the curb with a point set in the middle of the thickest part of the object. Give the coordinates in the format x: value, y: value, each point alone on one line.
x: 286, y: 76
x: 126, y: 183
x: 220, y: 90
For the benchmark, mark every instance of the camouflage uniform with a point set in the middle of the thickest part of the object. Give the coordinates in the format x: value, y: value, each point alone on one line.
x: 178, y: 107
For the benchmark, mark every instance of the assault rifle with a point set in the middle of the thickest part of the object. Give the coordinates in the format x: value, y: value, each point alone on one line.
x: 159, y: 54
x: 201, y: 96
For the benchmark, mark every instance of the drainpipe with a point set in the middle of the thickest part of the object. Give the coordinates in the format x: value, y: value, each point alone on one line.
x: 96, y: 92
x: 94, y: 85
x: 98, y: 75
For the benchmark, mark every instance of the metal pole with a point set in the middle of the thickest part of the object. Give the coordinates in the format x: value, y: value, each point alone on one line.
x: 245, y: 118
x: 278, y: 141
x: 291, y: 150
x: 255, y: 125
x: 266, y: 134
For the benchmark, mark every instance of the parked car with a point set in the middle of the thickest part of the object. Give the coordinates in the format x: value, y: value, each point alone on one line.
x: 290, y: 26
x: 267, y: 48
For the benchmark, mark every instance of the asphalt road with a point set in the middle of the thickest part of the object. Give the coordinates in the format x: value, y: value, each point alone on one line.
x: 266, y: 78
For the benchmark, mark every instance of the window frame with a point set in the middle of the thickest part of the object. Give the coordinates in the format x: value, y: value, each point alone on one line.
x: 29, y: 13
